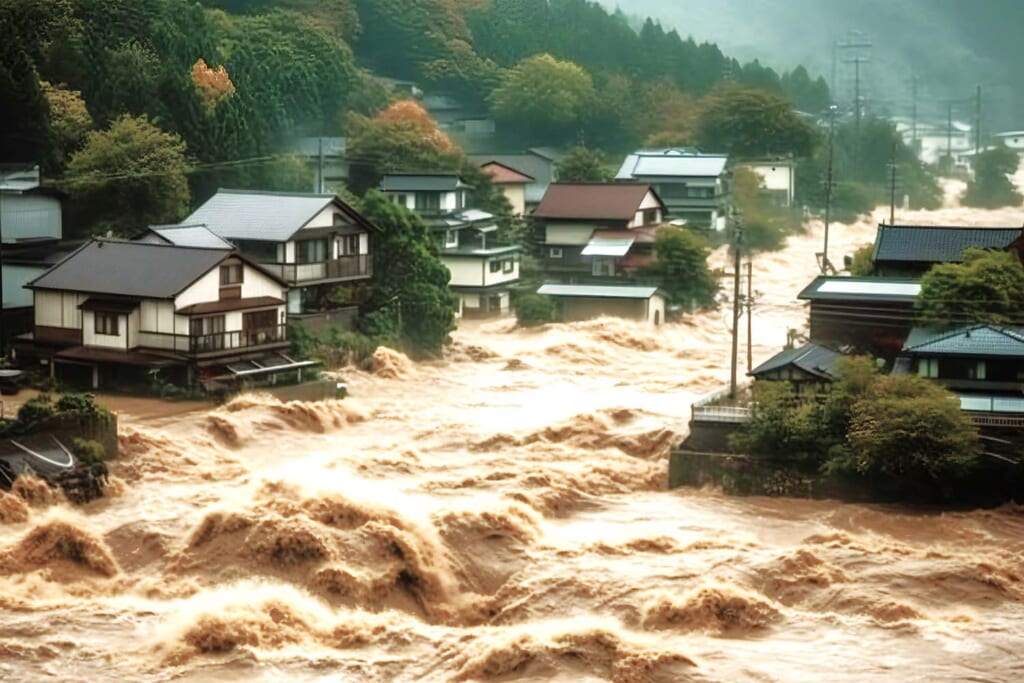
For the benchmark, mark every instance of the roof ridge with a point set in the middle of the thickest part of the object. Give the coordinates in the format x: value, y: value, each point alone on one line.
x: 275, y: 193
x: 138, y: 243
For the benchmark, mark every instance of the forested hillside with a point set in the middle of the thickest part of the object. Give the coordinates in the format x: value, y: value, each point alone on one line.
x: 112, y: 97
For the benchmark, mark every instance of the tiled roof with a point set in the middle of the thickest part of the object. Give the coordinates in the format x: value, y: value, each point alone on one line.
x: 541, y: 169
x: 139, y: 269
x: 599, y: 291
x: 592, y: 201
x: 266, y: 216
x: 190, y: 236
x: 669, y: 163
x: 811, y: 358
x: 898, y: 290
x: 505, y: 175
x: 975, y: 340
x: 926, y: 244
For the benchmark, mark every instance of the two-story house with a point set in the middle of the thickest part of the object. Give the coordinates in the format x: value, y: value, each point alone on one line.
x: 540, y: 165
x: 597, y: 230
x: 695, y: 187
x: 483, y: 271
x: 114, y: 310
x: 314, y: 242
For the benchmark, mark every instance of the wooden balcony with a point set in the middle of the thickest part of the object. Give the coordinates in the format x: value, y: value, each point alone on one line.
x: 208, y: 344
x: 344, y: 268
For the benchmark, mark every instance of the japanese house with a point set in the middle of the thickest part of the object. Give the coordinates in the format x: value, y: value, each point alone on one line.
x: 695, y: 187
x: 316, y: 243
x: 597, y: 230
x: 184, y: 236
x: 113, y: 311
x: 585, y: 302
x: 868, y: 314
x: 513, y: 184
x: 810, y: 368
x: 911, y: 250
x: 483, y: 270
x: 538, y: 164
x: 983, y: 364
x: 778, y: 178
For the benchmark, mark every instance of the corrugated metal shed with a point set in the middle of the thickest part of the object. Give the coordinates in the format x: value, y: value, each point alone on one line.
x: 599, y: 291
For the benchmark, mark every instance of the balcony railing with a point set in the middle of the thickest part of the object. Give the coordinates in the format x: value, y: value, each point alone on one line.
x: 344, y: 267
x: 238, y: 339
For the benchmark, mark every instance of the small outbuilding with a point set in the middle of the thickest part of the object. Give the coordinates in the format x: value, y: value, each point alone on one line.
x: 809, y: 368
x: 585, y: 302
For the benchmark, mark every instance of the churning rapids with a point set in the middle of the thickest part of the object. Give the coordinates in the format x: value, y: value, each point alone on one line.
x: 500, y: 515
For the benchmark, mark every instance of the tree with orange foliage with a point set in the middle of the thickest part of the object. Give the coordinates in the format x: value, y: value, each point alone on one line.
x: 213, y: 84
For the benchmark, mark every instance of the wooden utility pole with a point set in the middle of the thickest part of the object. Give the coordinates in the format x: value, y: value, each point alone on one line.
x: 750, y: 317
x: 892, y: 189
x: 828, y: 185
x: 737, y: 249
x: 949, y: 133
x: 977, y: 125
x: 913, y: 119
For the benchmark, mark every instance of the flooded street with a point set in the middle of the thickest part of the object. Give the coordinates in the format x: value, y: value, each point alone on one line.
x: 501, y: 515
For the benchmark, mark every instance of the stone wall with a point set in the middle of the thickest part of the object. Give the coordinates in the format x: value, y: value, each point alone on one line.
x: 100, y: 427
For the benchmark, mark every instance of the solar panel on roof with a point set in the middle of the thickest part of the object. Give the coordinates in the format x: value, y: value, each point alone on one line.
x: 875, y: 288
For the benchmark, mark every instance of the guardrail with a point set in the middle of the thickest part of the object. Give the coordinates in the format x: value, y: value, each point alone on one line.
x: 703, y: 410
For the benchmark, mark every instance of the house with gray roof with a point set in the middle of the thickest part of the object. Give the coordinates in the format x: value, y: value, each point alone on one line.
x: 483, y: 270
x: 314, y: 242
x: 539, y: 165
x: 982, y: 363
x: 695, y: 187
x: 809, y: 368
x: 184, y: 236
x: 911, y: 250
x: 113, y: 311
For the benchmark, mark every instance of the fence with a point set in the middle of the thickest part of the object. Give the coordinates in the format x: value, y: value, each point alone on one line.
x: 704, y: 410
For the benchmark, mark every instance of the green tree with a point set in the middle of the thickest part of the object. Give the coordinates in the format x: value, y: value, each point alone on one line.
x: 130, y: 175
x: 410, y: 297
x: 534, y: 309
x: 748, y: 122
x: 909, y: 430
x: 545, y: 95
x: 681, y: 268
x: 987, y: 287
x: 862, y: 264
x: 766, y: 225
x: 69, y: 121
x: 582, y: 164
x: 991, y: 187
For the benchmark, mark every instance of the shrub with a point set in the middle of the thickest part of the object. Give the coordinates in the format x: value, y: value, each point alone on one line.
x: 88, y: 451
x: 534, y: 309
x: 77, y: 403
x: 36, y: 409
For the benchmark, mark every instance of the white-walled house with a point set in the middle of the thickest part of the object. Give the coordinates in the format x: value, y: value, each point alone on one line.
x: 513, y: 184
x: 482, y: 271
x: 314, y: 242
x: 778, y: 178
x: 114, y: 310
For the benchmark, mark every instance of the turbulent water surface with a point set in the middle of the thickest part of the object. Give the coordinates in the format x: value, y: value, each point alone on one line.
x: 500, y: 515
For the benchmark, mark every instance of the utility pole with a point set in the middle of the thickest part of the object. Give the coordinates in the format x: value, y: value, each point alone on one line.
x: 977, y: 125
x: 855, y: 40
x: 750, y: 317
x: 949, y: 133
x: 913, y: 115
x: 737, y: 249
x: 892, y: 187
x: 828, y: 185
x: 858, y: 108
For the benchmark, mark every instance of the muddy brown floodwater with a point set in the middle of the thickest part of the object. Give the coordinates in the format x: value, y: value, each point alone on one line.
x: 500, y: 515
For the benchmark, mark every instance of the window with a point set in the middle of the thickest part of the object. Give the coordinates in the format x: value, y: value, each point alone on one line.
x: 603, y: 267
x: 650, y: 216
x: 451, y: 239
x: 495, y: 266
x: 508, y: 266
x: 311, y: 251
x: 400, y: 199
x: 231, y: 275
x: 977, y: 371
x: 106, y: 323
x: 460, y: 200
x: 928, y: 367
x: 259, y: 250
x: 207, y: 333
x: 555, y: 252
x: 428, y: 201
x: 350, y: 245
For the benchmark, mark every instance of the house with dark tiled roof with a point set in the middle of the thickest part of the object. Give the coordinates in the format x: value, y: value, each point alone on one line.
x: 113, y: 311
x: 809, y: 368
x: 982, y: 363
x: 910, y: 250
x: 597, y: 230
x: 314, y: 242
x: 483, y: 269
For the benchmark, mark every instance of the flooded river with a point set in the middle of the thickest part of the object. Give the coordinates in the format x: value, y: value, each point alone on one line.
x: 500, y: 515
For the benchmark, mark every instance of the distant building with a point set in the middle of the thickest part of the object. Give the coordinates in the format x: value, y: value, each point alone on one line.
x: 695, y: 187
x: 326, y: 156
x: 539, y: 164
x: 911, y: 250
x: 483, y: 270
x: 512, y: 183
x: 113, y: 311
x: 869, y: 314
x: 1013, y: 139
x: 597, y: 230
x: 936, y: 139
x: 778, y: 176
x: 585, y: 302
x: 314, y: 242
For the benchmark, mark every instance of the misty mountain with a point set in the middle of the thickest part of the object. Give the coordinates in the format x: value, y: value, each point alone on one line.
x: 950, y: 45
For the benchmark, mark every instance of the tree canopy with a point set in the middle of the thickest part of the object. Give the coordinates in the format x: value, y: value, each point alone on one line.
x: 991, y: 186
x: 987, y: 287
x: 748, y: 122
x: 581, y: 164
x: 545, y: 94
x: 681, y: 268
